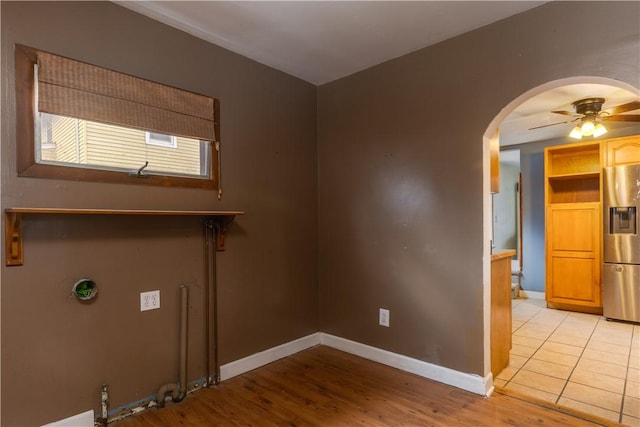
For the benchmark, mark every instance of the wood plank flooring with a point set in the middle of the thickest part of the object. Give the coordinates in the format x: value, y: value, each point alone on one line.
x: 326, y: 387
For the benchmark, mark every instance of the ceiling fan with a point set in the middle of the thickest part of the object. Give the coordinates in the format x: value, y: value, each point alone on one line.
x: 591, y: 115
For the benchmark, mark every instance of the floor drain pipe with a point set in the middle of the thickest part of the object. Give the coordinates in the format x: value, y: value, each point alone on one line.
x: 104, y: 406
x: 179, y: 391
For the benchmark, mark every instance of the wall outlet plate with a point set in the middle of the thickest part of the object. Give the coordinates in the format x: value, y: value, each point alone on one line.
x: 149, y: 300
x: 383, y: 319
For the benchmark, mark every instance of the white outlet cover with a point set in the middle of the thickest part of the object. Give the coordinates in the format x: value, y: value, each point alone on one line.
x: 383, y: 319
x: 149, y: 300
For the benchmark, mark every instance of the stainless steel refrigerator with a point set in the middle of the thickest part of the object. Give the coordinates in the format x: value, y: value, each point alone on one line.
x: 621, y: 272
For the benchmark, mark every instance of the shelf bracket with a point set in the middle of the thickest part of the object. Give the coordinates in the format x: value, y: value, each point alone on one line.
x: 221, y: 226
x: 13, y: 238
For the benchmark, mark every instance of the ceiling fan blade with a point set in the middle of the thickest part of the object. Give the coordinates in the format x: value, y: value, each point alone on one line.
x: 564, y: 113
x: 622, y: 118
x: 552, y: 124
x: 623, y: 108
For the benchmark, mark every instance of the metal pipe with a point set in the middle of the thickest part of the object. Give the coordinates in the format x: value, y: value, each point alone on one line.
x: 214, y: 305
x: 211, y: 334
x: 207, y: 332
x: 179, y: 391
x: 184, y: 330
x: 162, y: 393
x: 104, y: 404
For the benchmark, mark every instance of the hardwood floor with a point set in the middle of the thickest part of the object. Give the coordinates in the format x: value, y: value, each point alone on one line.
x: 326, y: 387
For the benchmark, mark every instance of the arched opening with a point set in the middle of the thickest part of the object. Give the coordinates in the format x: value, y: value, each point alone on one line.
x: 491, y: 136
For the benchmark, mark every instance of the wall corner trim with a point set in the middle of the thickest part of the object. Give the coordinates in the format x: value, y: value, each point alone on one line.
x: 249, y: 363
x: 470, y: 382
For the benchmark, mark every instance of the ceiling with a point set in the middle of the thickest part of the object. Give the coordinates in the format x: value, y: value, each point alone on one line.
x: 536, y: 111
x: 321, y: 41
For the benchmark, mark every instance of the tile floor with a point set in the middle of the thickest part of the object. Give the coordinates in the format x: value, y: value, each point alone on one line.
x: 577, y: 360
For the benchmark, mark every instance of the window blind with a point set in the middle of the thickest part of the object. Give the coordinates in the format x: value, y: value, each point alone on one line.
x: 76, y: 89
x: 72, y: 88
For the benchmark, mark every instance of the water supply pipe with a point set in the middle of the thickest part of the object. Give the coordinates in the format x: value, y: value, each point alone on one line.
x: 103, y: 419
x: 179, y: 391
x: 212, y: 375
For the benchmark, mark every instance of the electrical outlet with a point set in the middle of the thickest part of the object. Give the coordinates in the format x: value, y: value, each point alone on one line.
x: 383, y: 319
x: 149, y: 300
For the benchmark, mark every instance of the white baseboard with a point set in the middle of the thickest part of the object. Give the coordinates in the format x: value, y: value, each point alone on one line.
x: 470, y: 382
x: 84, y: 419
x: 531, y: 294
x: 257, y: 360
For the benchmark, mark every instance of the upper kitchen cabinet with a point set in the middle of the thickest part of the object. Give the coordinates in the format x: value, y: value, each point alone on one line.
x: 572, y: 173
x: 622, y: 151
x: 573, y: 226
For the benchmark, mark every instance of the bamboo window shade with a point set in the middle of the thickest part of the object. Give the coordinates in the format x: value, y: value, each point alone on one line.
x: 76, y: 89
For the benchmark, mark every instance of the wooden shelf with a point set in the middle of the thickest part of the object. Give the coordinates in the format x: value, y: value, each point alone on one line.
x: 570, y: 176
x: 579, y: 190
x: 573, y: 159
x: 13, y: 223
x: 573, y: 204
x: 65, y: 211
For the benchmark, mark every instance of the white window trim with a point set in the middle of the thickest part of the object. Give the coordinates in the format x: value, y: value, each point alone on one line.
x: 173, y: 143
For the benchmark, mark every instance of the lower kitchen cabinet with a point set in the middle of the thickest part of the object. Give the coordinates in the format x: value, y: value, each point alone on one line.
x: 573, y: 256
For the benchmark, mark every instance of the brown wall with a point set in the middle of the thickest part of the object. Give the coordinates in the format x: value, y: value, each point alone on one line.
x: 400, y: 202
x: 400, y: 172
x: 55, y: 351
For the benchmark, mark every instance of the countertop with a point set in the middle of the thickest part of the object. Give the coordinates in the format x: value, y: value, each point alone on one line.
x: 504, y: 253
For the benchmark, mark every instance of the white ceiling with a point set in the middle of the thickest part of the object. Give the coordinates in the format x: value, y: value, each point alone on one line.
x: 320, y: 41
x: 536, y: 111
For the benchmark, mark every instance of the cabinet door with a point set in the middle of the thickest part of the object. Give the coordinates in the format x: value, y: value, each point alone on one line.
x: 573, y: 254
x: 622, y: 151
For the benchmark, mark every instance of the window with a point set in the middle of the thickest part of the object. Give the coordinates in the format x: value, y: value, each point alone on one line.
x: 46, y: 134
x: 87, y: 144
x: 161, y: 140
x: 82, y: 122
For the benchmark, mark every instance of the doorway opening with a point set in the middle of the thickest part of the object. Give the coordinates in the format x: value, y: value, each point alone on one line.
x: 495, y: 132
x: 507, y: 212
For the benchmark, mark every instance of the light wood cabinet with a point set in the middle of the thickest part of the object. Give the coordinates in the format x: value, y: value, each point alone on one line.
x: 501, y: 323
x: 573, y: 226
x: 573, y: 254
x: 622, y: 151
x: 494, y: 162
x: 573, y: 200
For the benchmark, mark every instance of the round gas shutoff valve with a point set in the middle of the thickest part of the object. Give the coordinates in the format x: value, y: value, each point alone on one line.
x: 85, y: 289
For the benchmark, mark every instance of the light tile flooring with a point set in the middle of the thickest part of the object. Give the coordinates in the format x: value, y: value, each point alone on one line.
x: 580, y: 361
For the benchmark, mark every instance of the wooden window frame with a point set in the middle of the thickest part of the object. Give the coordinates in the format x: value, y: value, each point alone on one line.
x: 27, y: 165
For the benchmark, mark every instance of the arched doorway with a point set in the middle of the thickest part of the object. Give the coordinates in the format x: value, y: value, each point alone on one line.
x: 492, y: 136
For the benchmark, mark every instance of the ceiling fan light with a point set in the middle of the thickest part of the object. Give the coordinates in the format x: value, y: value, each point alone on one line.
x: 599, y: 130
x: 587, y: 128
x: 576, y: 133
